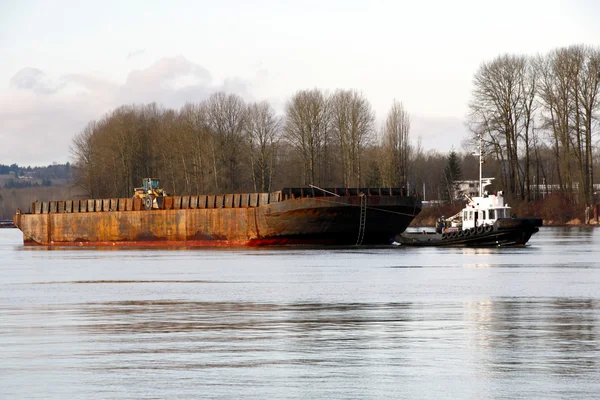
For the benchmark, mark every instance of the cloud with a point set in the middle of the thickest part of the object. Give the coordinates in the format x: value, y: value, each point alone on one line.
x: 136, y: 53
x: 40, y: 115
x: 32, y: 79
x: 169, y: 81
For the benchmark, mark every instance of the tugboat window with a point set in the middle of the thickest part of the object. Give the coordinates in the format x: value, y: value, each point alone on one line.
x: 492, y: 214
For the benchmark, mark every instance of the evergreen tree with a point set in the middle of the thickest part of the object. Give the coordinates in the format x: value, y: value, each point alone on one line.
x: 452, y: 174
x: 373, y: 178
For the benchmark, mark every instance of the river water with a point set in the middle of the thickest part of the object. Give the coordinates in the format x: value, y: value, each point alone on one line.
x: 297, y: 323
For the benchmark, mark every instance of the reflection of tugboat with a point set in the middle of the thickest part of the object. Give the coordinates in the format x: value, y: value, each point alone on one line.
x: 485, y: 221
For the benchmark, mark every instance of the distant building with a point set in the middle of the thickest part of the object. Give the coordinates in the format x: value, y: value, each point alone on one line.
x: 543, y: 190
x: 468, y: 187
x: 431, y: 203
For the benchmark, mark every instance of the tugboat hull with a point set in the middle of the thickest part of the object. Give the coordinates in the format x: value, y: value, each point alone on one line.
x: 504, y: 232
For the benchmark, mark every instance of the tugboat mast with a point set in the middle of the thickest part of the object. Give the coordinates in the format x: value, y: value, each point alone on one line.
x: 480, y: 164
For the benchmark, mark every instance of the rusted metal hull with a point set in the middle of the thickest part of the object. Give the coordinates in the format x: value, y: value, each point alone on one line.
x: 279, y: 218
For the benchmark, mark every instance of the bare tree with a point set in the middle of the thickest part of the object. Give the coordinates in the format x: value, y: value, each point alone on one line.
x: 501, y: 110
x: 352, y: 123
x: 262, y: 133
x: 307, y: 129
x: 199, y: 143
x: 226, y: 115
x: 589, y: 93
x: 166, y: 145
x: 83, y: 152
x: 396, y: 146
x: 568, y: 92
x: 528, y: 83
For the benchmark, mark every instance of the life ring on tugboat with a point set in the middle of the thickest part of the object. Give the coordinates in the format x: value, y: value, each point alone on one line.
x: 488, y: 228
x: 460, y: 233
x: 479, y: 230
x: 473, y: 231
x: 444, y: 236
x: 467, y: 233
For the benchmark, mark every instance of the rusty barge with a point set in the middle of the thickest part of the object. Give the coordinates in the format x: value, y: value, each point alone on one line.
x: 335, y: 216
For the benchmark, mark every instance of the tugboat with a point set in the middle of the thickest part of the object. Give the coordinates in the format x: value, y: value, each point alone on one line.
x: 484, y: 222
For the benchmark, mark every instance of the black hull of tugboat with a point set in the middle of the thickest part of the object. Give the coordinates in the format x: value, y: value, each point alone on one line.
x: 504, y: 232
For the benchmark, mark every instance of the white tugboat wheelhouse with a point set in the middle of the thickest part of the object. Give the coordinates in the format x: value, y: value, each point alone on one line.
x: 483, y: 210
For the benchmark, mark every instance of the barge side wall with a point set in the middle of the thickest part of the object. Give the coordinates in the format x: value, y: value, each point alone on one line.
x: 163, y: 227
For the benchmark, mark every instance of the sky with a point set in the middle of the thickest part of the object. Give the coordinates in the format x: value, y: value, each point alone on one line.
x: 65, y: 63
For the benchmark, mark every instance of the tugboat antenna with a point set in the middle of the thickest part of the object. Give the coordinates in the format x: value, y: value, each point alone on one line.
x: 480, y: 164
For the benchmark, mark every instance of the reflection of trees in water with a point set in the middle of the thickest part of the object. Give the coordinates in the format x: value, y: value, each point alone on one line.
x: 557, y: 335
x: 583, y: 234
x: 250, y: 333
x: 322, y: 327
x: 574, y: 335
x: 241, y: 334
x: 168, y: 316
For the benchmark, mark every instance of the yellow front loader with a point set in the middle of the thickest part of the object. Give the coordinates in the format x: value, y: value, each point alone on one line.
x: 149, y: 192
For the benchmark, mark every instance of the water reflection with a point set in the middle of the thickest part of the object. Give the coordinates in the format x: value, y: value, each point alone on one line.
x: 568, y: 235
x: 530, y: 336
x: 207, y: 335
x: 176, y: 316
x: 559, y: 335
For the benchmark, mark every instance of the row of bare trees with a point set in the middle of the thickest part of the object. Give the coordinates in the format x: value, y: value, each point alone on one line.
x: 222, y: 145
x: 528, y: 108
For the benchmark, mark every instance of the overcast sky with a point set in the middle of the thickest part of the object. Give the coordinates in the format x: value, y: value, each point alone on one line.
x: 65, y: 63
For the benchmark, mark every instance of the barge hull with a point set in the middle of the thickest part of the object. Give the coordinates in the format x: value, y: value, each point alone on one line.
x: 280, y: 219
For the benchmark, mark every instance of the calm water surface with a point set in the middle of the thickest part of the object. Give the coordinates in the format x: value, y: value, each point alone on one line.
x: 302, y: 323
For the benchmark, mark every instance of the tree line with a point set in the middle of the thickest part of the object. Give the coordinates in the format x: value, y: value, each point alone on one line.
x: 19, y: 184
x: 54, y: 171
x: 538, y: 116
x: 223, y: 144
